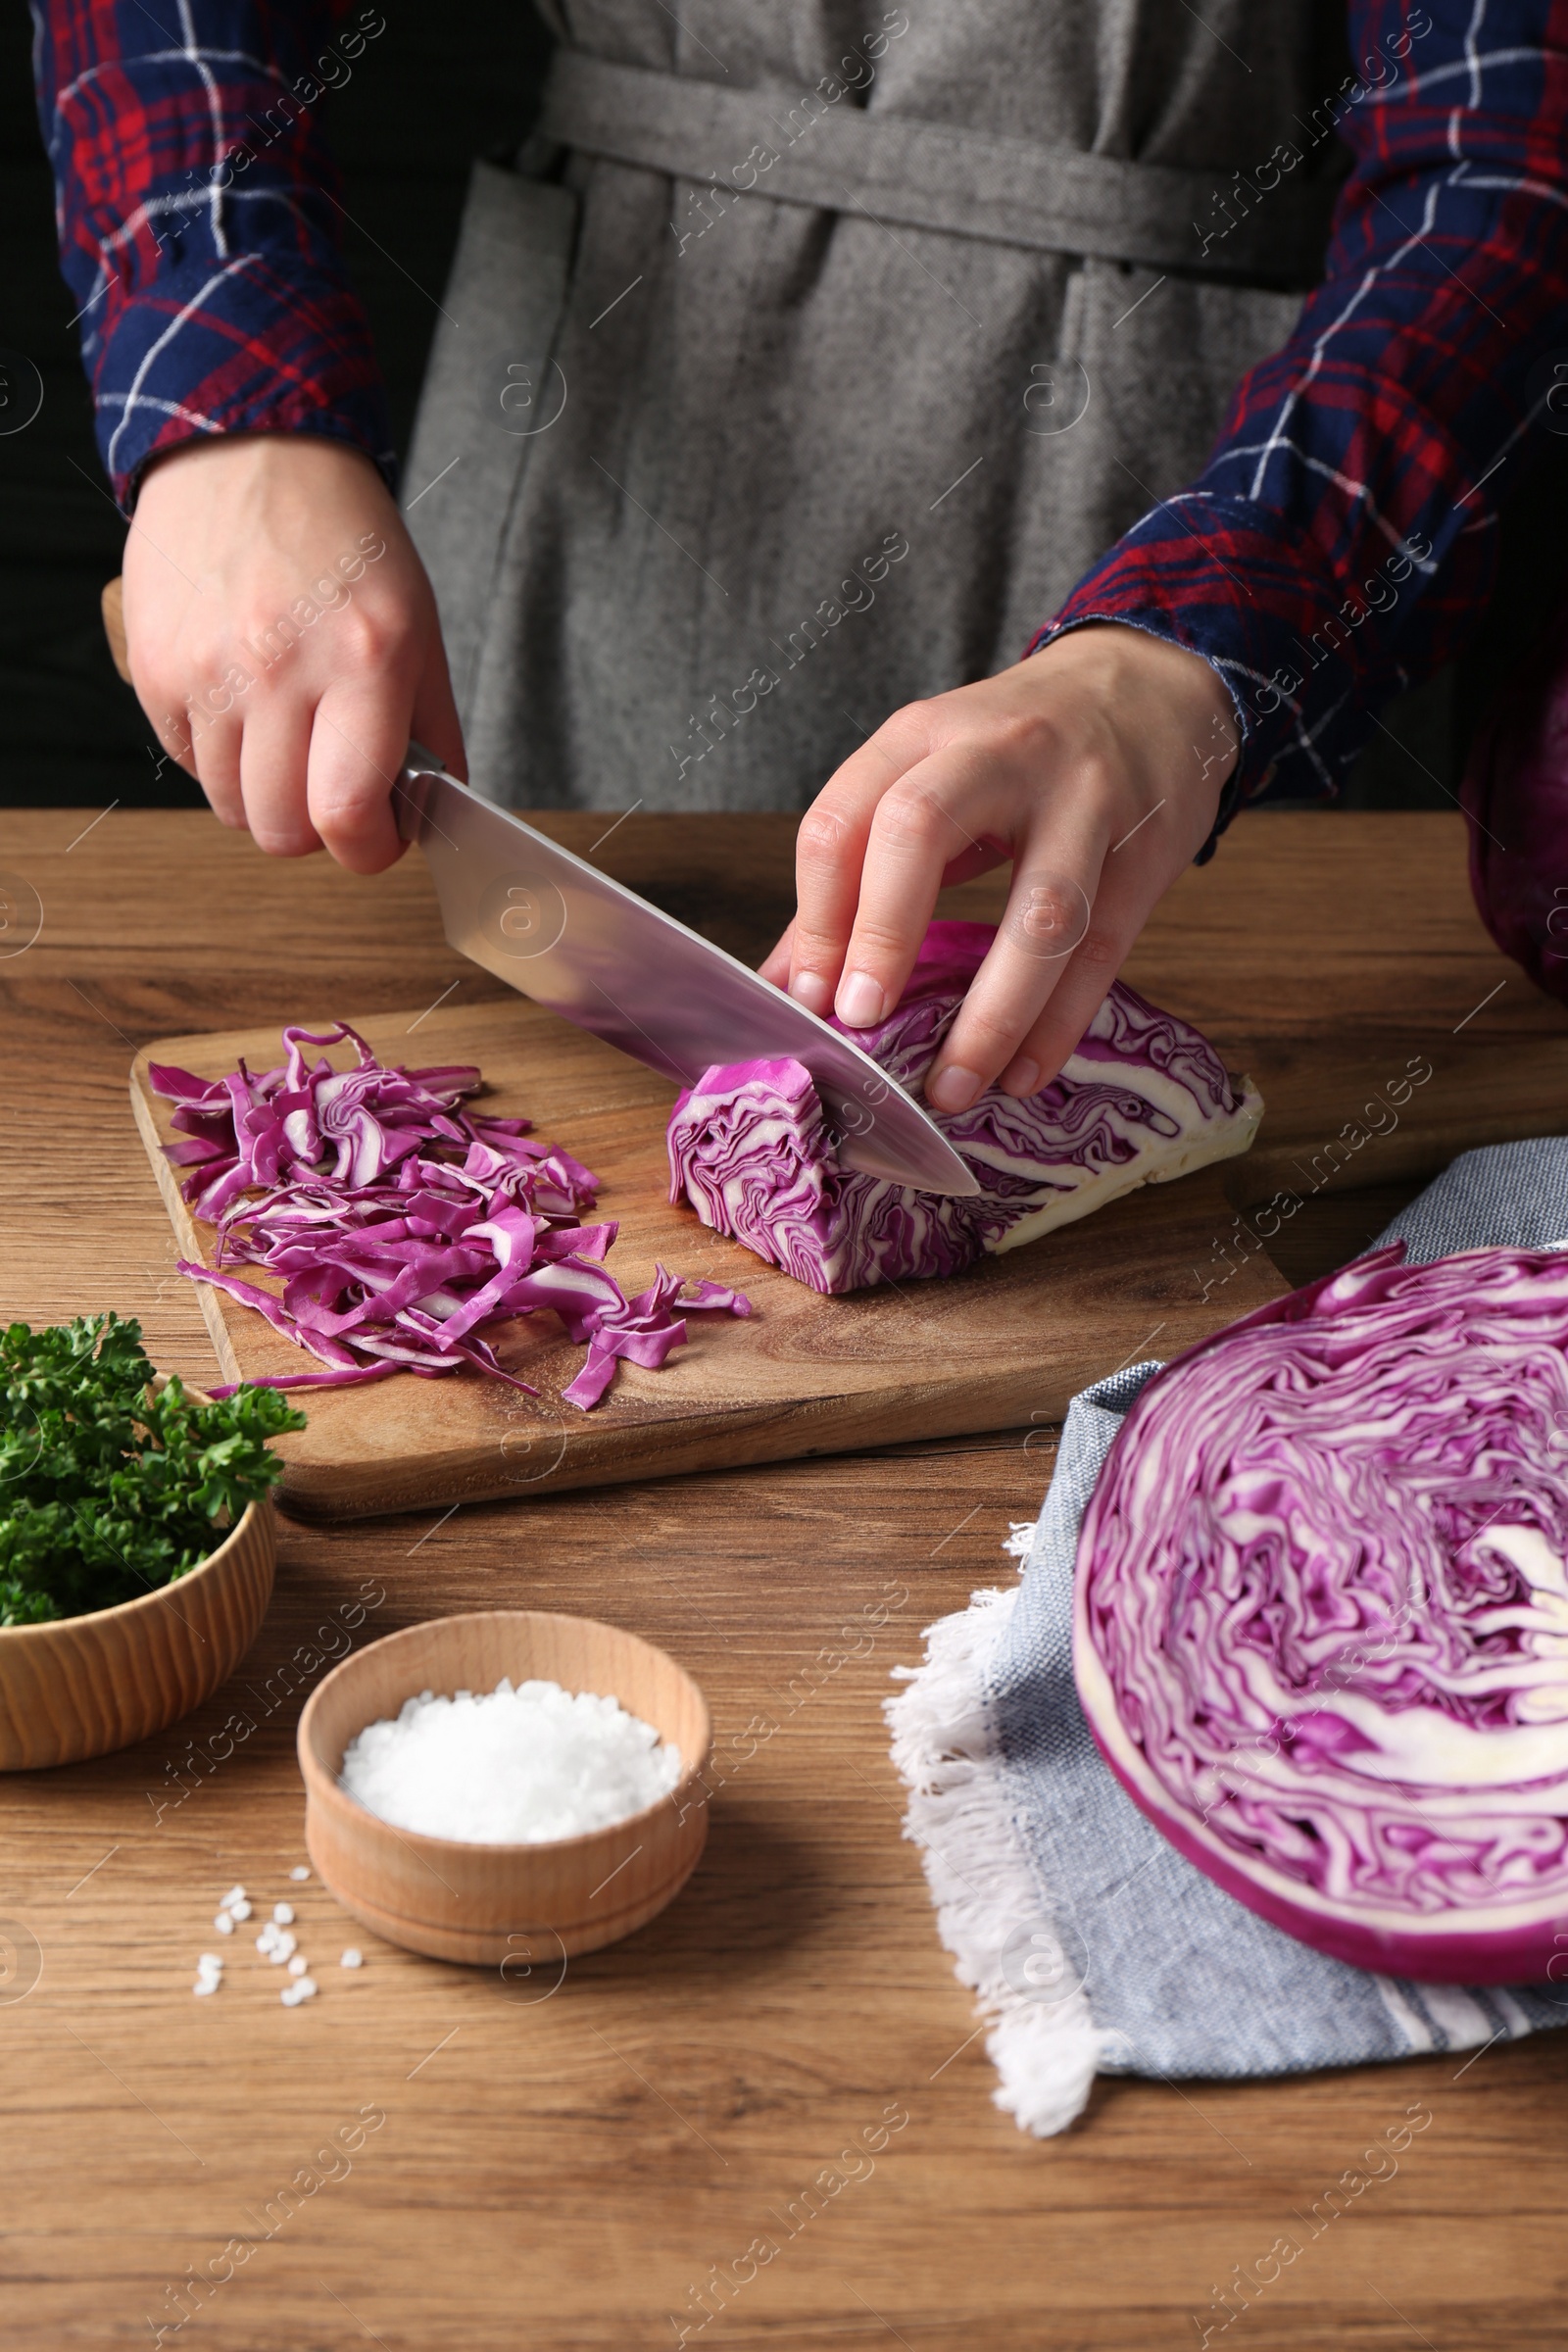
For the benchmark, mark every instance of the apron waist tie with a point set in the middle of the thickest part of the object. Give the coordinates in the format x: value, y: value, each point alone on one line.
x: 963, y: 182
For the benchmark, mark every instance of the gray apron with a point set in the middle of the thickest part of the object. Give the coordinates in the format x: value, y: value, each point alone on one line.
x: 812, y: 352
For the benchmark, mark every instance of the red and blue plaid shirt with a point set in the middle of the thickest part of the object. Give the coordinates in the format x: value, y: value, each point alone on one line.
x: 198, y: 215
x: 1337, y: 546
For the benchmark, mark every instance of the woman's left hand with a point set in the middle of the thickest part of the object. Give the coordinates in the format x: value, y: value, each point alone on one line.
x: 1096, y: 767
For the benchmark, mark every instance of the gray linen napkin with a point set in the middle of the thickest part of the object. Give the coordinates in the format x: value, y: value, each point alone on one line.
x: 1094, y: 1943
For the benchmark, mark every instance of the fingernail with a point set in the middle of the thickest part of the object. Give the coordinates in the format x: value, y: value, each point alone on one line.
x: 810, y: 990
x: 952, y: 1089
x: 1022, y: 1078
x: 859, y: 1001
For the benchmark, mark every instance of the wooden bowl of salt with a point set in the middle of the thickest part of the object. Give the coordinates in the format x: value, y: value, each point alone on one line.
x: 493, y: 1904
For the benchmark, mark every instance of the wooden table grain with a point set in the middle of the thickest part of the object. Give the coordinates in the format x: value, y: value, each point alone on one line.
x: 426, y: 2156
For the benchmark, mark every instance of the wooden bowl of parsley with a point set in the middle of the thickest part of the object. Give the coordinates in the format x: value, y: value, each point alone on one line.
x: 136, y: 1541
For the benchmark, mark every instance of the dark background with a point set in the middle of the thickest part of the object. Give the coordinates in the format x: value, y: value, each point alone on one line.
x: 438, y: 88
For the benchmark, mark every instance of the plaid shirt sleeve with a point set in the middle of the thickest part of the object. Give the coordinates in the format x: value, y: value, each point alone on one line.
x: 1342, y: 540
x: 198, y: 220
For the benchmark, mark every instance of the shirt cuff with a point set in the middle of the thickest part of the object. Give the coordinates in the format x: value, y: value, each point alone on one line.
x: 1302, y: 660
x: 257, y: 340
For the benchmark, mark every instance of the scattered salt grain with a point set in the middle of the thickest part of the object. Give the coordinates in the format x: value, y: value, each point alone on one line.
x: 274, y: 1942
x: 509, y: 1766
x: 299, y: 1871
x: 352, y: 1957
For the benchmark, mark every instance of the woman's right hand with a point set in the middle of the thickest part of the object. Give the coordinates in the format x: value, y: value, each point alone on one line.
x: 283, y: 638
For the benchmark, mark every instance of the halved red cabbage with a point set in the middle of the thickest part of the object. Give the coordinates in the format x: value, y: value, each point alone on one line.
x: 1322, y: 1613
x: 406, y: 1227
x: 1142, y: 1098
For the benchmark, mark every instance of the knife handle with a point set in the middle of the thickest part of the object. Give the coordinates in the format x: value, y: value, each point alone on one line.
x: 111, y: 604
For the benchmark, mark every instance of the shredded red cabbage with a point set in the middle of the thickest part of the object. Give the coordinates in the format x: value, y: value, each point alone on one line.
x: 1144, y: 1097
x: 1322, y: 1612
x: 405, y: 1227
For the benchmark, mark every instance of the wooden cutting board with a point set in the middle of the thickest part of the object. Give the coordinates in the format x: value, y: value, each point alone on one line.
x: 1000, y: 1346
x: 1003, y: 1345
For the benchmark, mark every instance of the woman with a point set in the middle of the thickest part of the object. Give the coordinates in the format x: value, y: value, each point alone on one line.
x: 802, y: 373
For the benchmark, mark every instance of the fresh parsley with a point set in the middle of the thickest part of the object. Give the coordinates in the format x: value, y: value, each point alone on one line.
x: 107, y: 1490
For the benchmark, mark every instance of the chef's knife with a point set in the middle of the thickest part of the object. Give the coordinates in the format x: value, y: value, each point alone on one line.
x: 554, y: 927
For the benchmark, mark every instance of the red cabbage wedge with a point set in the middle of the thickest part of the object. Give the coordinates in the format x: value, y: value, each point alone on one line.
x: 1143, y: 1099
x: 1322, y: 1613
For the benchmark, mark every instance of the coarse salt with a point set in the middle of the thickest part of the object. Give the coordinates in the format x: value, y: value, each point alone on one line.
x: 299, y: 1871
x: 298, y: 1965
x: 224, y: 1923
x: 235, y: 1894
x: 509, y: 1766
x: 283, y: 1913
x: 352, y: 1957
x: 240, y: 1910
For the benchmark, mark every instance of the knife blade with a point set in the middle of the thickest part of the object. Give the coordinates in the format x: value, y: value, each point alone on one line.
x: 558, y: 930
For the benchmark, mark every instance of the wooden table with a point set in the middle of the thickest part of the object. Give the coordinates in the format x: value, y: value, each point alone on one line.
x: 562, y: 2165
